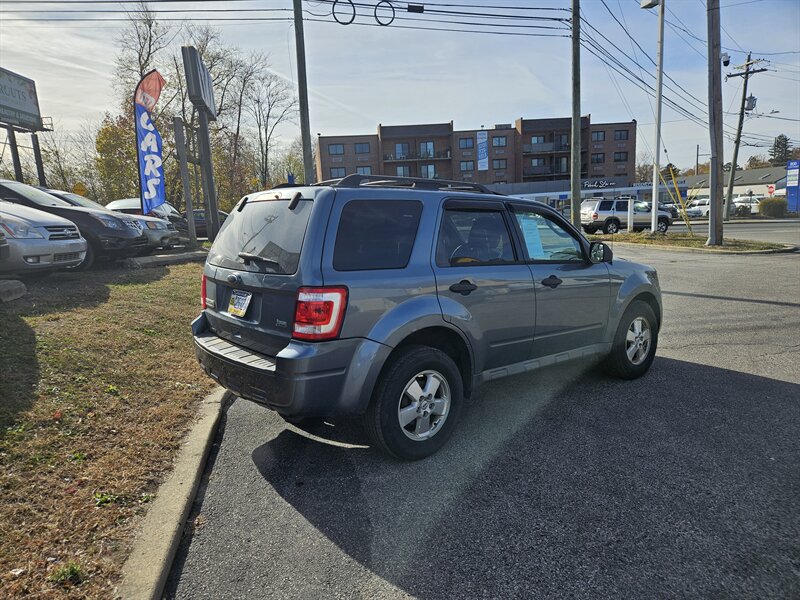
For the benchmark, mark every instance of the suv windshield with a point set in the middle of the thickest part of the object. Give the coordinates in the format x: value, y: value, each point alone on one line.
x: 36, y: 196
x: 266, y: 229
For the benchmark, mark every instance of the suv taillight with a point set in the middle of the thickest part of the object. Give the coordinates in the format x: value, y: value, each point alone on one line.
x: 203, y: 292
x: 594, y: 216
x: 319, y: 312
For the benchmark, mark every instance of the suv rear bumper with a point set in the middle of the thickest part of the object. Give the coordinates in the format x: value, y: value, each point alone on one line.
x: 286, y: 383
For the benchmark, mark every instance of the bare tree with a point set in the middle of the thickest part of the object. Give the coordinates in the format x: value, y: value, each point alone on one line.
x: 644, y: 167
x: 270, y: 102
x: 141, y: 44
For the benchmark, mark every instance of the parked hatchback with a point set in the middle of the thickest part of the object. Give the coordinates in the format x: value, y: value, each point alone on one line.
x: 109, y: 235
x: 38, y: 241
x: 133, y: 206
x: 392, y: 299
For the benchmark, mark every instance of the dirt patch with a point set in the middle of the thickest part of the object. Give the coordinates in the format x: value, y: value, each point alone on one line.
x: 98, y: 383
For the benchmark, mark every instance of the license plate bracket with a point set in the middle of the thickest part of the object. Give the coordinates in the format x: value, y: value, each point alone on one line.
x: 240, y: 300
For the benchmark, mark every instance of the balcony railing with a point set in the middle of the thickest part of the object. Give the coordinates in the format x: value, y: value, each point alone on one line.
x: 439, y: 155
x: 544, y: 148
x: 530, y: 171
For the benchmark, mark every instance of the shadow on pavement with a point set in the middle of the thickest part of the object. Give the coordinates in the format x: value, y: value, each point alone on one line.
x: 56, y: 293
x: 683, y: 483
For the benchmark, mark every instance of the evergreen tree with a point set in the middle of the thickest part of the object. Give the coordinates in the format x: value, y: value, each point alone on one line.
x: 780, y: 151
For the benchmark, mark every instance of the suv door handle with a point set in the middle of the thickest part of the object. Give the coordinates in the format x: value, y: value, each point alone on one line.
x: 552, y: 282
x: 463, y: 287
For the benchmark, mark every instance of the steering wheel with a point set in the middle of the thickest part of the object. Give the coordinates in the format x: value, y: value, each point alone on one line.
x: 455, y: 259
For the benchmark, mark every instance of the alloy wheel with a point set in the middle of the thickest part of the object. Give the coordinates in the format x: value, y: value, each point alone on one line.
x: 424, y: 405
x: 637, y: 340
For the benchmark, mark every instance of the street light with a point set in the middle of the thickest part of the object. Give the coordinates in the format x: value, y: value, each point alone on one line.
x: 659, y: 73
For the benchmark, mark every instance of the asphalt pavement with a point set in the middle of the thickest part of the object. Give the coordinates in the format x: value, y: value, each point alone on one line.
x: 559, y: 484
x: 781, y: 231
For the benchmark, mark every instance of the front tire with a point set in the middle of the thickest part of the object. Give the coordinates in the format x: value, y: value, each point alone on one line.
x: 87, y: 262
x: 416, y: 403
x: 662, y: 226
x: 635, y: 342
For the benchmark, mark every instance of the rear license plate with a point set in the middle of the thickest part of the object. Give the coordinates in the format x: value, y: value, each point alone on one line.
x: 239, y: 302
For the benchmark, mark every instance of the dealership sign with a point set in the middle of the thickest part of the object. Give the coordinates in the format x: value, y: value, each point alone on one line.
x: 19, y: 105
x: 148, y: 143
x: 793, y: 185
x: 599, y: 183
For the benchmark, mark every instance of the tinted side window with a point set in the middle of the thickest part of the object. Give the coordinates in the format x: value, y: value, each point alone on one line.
x: 473, y: 238
x: 622, y: 206
x: 606, y: 205
x: 376, y: 234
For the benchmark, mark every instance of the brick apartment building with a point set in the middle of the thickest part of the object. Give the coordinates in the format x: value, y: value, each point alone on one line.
x: 530, y: 150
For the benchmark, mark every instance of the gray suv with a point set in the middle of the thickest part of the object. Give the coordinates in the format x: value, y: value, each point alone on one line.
x: 393, y: 298
x: 611, y: 216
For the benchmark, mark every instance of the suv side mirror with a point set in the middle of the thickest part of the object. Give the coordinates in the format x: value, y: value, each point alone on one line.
x: 599, y: 252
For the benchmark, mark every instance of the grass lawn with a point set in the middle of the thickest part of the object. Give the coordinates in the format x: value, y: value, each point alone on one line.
x: 683, y: 239
x: 98, y: 383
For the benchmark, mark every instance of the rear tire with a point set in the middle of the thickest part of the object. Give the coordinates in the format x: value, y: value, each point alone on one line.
x: 611, y: 227
x: 662, y: 226
x: 416, y: 403
x: 590, y: 230
x: 635, y: 343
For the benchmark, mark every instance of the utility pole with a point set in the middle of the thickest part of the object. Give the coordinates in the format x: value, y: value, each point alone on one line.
x: 714, y: 123
x: 657, y: 153
x: 575, y: 167
x: 697, y: 161
x: 732, y: 177
x: 305, y: 129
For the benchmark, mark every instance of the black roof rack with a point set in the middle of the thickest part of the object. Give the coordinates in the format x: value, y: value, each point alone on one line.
x: 355, y: 181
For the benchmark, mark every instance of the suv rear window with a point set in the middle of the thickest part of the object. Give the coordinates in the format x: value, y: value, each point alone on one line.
x: 376, y: 234
x: 605, y: 205
x: 267, y: 229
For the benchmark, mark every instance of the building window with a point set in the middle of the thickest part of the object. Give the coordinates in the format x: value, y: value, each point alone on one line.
x: 562, y: 139
x: 426, y: 149
x: 537, y: 139
x: 337, y: 172
x: 466, y: 143
x: 499, y: 163
x: 499, y: 141
x: 400, y: 150
x: 362, y: 148
x: 598, y: 158
x: 562, y: 164
x: 620, y: 134
x: 427, y: 171
x: 335, y: 148
x: 364, y: 170
x: 598, y: 136
x: 620, y: 156
x: 403, y: 171
x: 467, y: 165
x: 537, y: 162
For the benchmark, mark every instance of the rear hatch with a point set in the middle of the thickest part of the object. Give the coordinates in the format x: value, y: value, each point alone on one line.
x: 257, y: 270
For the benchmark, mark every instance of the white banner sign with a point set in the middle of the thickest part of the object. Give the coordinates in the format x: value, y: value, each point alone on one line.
x: 483, y: 151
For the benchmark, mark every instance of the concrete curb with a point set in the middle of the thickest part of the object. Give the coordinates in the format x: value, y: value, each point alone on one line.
x: 145, y: 572
x: 11, y: 289
x: 159, y: 260
x: 786, y: 248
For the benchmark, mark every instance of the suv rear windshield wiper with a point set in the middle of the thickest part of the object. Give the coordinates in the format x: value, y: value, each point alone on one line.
x: 248, y: 258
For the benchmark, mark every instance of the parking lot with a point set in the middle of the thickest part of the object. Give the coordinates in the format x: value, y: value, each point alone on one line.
x: 563, y: 483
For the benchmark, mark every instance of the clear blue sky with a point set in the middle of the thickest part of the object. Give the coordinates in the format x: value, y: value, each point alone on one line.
x: 361, y: 75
